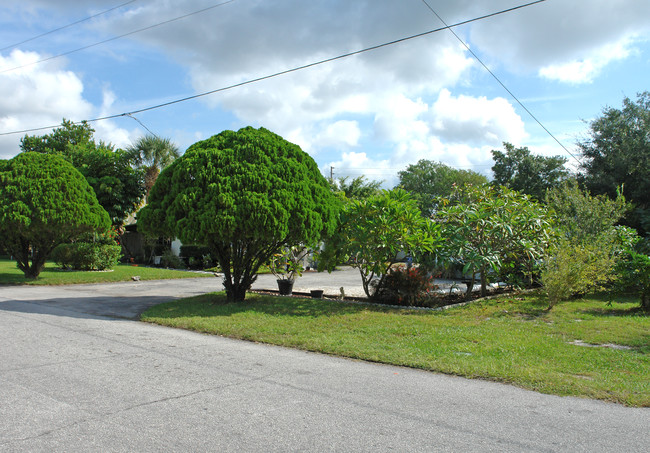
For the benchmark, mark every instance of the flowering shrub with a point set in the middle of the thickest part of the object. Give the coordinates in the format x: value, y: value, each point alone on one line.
x: 406, y: 286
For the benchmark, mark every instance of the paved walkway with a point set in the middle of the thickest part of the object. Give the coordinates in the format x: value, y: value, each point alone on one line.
x: 74, y: 379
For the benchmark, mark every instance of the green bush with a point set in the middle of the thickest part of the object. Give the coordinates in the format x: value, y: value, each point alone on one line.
x: 87, y: 255
x: 633, y: 276
x: 171, y: 261
x: 406, y: 286
x: 575, y: 269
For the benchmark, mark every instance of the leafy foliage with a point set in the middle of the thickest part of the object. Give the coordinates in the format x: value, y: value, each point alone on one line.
x: 287, y: 263
x: 357, y: 188
x: 428, y: 181
x: 152, y: 154
x: 245, y: 195
x: 573, y: 268
x: 404, y: 285
x: 117, y: 185
x: 89, y: 252
x: 86, y: 256
x: 488, y: 229
x: 527, y: 173
x: 617, y: 154
x: 583, y: 217
x: 44, y: 201
x: 583, y: 258
x: 372, y: 233
x: 633, y: 276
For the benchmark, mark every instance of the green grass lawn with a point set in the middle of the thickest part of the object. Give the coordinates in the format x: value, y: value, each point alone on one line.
x: 51, y: 275
x: 510, y: 339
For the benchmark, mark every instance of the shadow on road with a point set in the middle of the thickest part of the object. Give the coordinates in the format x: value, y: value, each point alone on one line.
x: 87, y: 307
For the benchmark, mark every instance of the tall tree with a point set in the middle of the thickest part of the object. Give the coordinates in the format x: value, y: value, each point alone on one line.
x: 62, y: 140
x: 519, y: 170
x: 117, y: 184
x: 357, y: 188
x: 428, y: 181
x: 153, y: 154
x: 372, y: 232
x: 245, y: 195
x: 44, y: 201
x: 488, y: 228
x: 617, y: 154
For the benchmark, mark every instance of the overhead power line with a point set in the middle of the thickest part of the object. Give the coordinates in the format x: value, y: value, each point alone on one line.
x: 500, y: 82
x: 287, y: 71
x: 67, y: 26
x: 114, y: 38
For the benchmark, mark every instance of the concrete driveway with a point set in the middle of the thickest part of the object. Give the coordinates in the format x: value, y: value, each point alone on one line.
x: 74, y: 379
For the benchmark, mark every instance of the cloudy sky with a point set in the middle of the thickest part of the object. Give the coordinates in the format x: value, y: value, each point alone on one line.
x: 372, y: 113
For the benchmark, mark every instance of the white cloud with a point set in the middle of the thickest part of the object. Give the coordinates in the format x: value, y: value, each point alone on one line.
x: 398, y: 103
x: 476, y: 120
x: 341, y: 133
x: 567, y: 40
x: 44, y: 94
x: 38, y: 94
x: 585, y: 70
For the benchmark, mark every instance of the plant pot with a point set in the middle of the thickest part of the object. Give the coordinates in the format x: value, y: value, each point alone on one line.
x: 316, y: 293
x: 285, y: 287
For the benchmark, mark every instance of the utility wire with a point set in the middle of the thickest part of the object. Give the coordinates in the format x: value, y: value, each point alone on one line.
x: 501, y: 83
x: 287, y: 71
x: 67, y: 26
x: 141, y: 124
x: 114, y: 38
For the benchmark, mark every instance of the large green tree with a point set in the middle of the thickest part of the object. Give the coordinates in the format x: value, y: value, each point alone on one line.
x: 245, y: 195
x: 617, y: 154
x: 428, y: 181
x: 111, y: 173
x: 356, y: 188
x: 374, y: 232
x: 494, y: 229
x: 152, y: 154
x: 44, y: 201
x: 520, y: 170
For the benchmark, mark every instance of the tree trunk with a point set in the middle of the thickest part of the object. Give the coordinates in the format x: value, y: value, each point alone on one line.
x: 483, y: 281
x: 470, y: 286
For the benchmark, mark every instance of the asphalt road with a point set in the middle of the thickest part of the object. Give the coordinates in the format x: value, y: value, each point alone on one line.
x: 74, y: 379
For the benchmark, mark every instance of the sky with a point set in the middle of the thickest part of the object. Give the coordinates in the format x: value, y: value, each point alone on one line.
x: 372, y: 113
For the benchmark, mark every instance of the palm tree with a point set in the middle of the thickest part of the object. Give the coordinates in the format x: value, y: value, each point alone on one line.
x: 152, y: 153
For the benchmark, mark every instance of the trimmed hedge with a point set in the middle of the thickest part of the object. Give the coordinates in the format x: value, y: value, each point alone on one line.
x: 86, y: 256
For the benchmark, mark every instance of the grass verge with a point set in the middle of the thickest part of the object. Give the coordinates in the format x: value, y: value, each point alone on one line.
x: 507, y: 339
x: 51, y: 275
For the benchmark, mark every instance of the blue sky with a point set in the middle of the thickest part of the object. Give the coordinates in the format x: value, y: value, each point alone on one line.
x: 370, y: 114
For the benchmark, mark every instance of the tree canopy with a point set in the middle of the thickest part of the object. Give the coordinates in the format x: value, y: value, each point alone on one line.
x: 152, y: 154
x: 245, y: 195
x: 428, y: 181
x: 117, y: 184
x: 356, y: 188
x: 44, y: 201
x: 494, y: 229
x: 520, y: 170
x: 373, y: 232
x: 617, y: 154
x: 584, y: 256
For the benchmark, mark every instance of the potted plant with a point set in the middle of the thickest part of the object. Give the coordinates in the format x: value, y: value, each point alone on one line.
x: 286, y: 266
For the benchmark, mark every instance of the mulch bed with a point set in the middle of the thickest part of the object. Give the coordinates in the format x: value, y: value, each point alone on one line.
x: 439, y: 302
